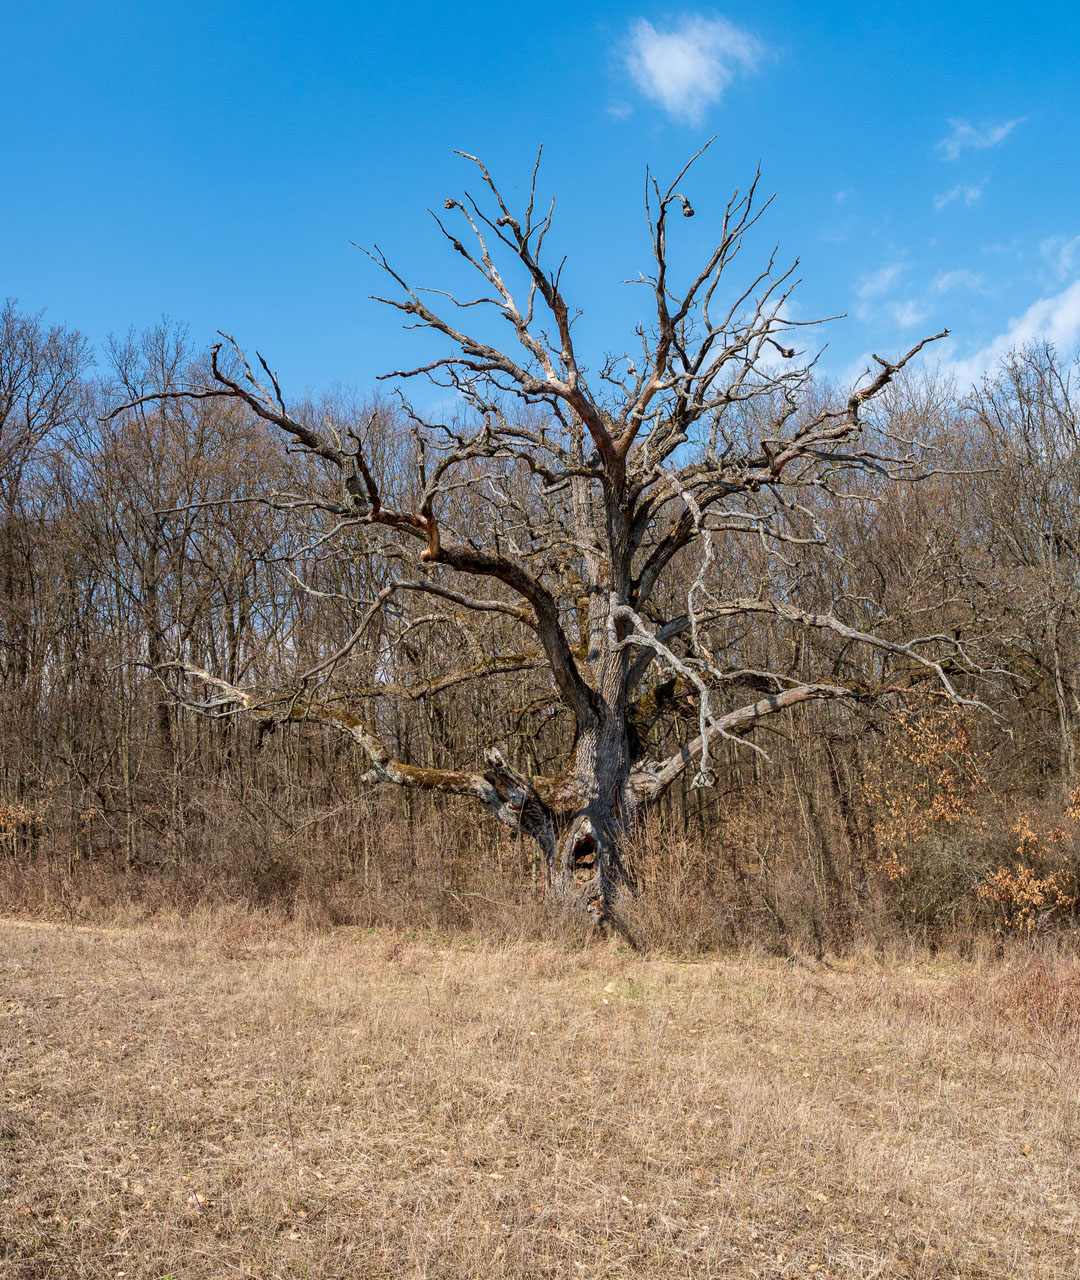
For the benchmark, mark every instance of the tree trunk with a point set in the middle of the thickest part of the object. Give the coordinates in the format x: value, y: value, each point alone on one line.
x: 591, y: 820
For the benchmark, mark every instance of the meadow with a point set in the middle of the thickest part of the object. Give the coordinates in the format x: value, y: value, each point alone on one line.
x: 233, y: 1096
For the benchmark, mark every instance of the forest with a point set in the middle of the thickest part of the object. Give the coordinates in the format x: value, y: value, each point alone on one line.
x: 142, y: 537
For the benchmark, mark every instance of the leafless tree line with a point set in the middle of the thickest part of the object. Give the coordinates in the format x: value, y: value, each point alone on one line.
x: 707, y: 625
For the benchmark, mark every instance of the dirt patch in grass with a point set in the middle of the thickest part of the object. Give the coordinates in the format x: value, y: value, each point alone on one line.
x: 240, y: 1099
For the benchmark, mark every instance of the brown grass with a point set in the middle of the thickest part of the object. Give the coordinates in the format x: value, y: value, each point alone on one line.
x: 238, y: 1098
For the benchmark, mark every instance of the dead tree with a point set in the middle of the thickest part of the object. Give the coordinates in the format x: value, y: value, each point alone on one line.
x: 586, y: 523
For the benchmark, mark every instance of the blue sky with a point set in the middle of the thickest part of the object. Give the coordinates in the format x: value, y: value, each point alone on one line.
x: 214, y: 162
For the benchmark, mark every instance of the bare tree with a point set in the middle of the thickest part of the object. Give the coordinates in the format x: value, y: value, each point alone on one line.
x: 41, y: 388
x: 622, y: 529
x: 1027, y: 419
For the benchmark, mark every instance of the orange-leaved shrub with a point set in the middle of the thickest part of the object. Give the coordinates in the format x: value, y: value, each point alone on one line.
x: 1041, y: 882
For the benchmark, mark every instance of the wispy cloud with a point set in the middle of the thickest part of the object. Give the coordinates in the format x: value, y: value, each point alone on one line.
x: 947, y: 281
x: 968, y: 192
x: 687, y: 67
x: 907, y: 314
x: 965, y: 136
x: 1054, y: 319
x: 880, y: 281
x: 1062, y: 254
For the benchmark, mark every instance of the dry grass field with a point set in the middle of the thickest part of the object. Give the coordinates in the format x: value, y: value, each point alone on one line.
x: 242, y: 1099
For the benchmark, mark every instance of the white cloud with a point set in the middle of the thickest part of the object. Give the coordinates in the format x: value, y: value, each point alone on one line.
x: 1054, y: 319
x: 880, y: 281
x: 967, y: 192
x: 968, y: 137
x: 1062, y: 254
x: 946, y: 281
x: 907, y: 314
x: 687, y: 68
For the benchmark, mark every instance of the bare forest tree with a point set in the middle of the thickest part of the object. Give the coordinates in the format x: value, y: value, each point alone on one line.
x: 41, y: 391
x: 1027, y: 420
x: 639, y: 531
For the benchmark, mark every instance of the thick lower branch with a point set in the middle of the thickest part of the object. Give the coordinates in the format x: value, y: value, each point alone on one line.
x: 575, y: 691
x: 510, y: 796
x: 651, y: 781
